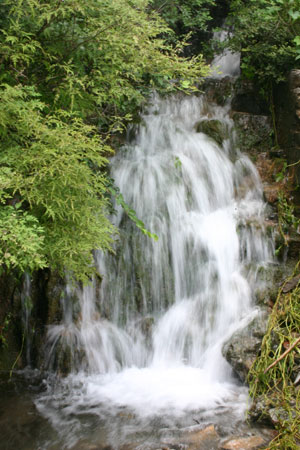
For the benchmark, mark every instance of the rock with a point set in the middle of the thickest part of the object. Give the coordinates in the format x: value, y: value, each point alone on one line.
x: 295, y: 78
x: 243, y: 443
x: 271, y: 193
x: 204, y: 439
x: 291, y: 284
x: 287, y: 108
x: 243, y: 346
x: 280, y: 415
x: 248, y: 99
x: 219, y: 90
x: 259, y: 411
x: 293, y: 244
x: 253, y: 131
x: 85, y: 445
x: 213, y: 128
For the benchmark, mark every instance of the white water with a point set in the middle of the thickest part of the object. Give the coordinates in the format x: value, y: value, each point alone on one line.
x: 228, y: 62
x: 147, y: 343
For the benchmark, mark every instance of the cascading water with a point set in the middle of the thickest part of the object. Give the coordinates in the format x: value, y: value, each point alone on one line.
x: 228, y: 62
x: 146, y: 343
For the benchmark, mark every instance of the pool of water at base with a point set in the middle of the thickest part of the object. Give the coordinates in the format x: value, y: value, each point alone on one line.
x: 36, y: 414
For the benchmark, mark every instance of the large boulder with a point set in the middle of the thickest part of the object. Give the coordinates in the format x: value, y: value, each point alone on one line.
x: 243, y: 346
x: 213, y: 128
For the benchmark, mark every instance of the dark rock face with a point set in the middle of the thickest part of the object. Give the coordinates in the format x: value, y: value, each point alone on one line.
x: 251, y: 115
x: 250, y: 112
x: 287, y: 106
x: 243, y: 346
x: 10, y: 321
x: 247, y: 99
x: 254, y: 131
x: 219, y: 90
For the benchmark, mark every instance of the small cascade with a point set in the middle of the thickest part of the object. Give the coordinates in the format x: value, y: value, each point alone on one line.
x: 146, y: 341
x: 227, y: 63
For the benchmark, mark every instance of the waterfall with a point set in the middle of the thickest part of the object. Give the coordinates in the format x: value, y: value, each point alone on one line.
x: 146, y: 341
x: 228, y: 62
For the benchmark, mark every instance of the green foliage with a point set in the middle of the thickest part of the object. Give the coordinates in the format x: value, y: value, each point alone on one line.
x: 96, y: 58
x: 275, y: 384
x: 267, y: 32
x: 286, y: 216
x: 22, y: 240
x: 53, y: 167
x: 72, y: 73
x: 187, y: 18
x: 192, y: 15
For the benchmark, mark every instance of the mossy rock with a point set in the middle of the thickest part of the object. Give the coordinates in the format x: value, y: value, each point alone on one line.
x: 212, y: 128
x: 254, y: 132
x: 242, y: 348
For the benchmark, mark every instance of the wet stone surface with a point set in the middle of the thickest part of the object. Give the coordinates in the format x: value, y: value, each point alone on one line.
x: 242, y: 348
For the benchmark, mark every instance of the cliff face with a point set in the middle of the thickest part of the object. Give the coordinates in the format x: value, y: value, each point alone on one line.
x: 287, y: 107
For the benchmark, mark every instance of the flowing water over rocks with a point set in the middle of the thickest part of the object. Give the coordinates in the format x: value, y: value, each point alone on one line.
x: 136, y: 361
x: 143, y: 347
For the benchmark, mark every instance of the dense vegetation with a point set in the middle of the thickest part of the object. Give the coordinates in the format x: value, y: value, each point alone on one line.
x: 189, y: 19
x: 267, y: 32
x: 72, y: 73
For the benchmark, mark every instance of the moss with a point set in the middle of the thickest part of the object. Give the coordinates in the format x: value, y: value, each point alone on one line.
x: 213, y: 128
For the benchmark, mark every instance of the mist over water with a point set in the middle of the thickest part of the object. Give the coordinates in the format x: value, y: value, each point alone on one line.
x: 146, y: 342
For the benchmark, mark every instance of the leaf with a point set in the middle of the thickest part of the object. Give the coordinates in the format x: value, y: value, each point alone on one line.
x: 294, y: 14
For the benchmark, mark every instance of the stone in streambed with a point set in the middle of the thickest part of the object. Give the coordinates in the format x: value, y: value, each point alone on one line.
x: 243, y: 443
x: 204, y: 439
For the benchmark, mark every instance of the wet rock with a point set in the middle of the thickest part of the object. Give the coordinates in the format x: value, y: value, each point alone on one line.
x: 243, y: 346
x: 192, y: 438
x: 293, y: 240
x: 258, y: 411
x: 248, y: 99
x: 291, y: 284
x: 243, y: 443
x: 253, y: 131
x: 264, y: 411
x: 280, y: 415
x: 84, y: 445
x: 271, y: 193
x: 212, y: 128
x: 219, y: 90
x: 268, y: 281
x: 287, y: 103
x: 204, y: 439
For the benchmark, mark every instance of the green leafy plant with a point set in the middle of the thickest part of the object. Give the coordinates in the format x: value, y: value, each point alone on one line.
x: 73, y: 73
x: 267, y: 33
x: 50, y: 171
